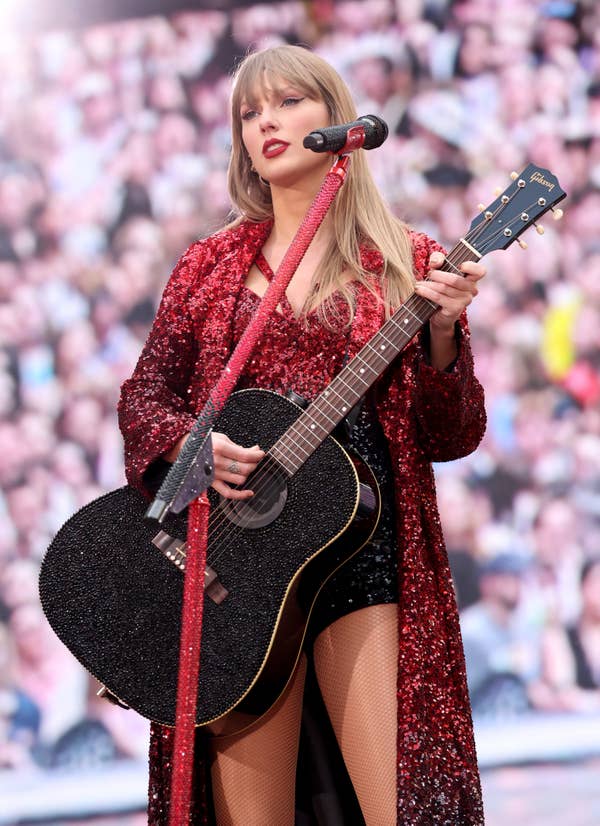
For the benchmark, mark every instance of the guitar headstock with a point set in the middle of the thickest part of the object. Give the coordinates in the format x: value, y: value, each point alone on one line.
x: 531, y: 194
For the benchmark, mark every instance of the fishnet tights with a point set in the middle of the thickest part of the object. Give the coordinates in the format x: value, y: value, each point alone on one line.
x: 253, y: 773
x: 356, y: 665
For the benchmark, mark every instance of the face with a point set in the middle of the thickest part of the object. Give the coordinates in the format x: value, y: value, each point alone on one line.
x: 590, y: 593
x: 274, y: 124
x: 503, y: 588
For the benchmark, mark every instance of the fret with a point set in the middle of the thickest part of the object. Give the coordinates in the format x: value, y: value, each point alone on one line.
x: 361, y: 370
x: 345, y: 383
x: 406, y: 330
x: 280, y: 446
x: 471, y: 252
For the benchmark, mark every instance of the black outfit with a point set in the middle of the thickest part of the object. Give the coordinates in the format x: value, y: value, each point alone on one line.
x: 370, y: 577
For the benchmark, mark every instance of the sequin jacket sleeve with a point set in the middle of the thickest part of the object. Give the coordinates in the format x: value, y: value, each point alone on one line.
x: 153, y: 408
x: 449, y: 404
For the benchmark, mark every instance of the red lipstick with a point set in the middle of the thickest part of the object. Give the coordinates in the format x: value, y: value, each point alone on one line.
x: 273, y: 147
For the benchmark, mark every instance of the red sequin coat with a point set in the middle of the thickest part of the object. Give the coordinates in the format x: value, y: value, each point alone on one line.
x: 427, y: 416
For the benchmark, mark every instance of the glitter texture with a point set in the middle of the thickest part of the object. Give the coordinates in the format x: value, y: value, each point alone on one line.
x: 426, y: 415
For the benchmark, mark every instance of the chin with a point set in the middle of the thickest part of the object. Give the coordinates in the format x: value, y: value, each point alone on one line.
x: 298, y: 178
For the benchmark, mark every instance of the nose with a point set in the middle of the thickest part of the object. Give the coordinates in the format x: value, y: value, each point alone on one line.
x: 268, y: 120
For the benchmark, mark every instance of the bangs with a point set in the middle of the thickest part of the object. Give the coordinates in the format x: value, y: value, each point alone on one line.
x: 273, y: 70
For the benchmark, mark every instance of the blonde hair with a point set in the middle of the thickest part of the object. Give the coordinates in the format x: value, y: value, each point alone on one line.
x: 360, y: 215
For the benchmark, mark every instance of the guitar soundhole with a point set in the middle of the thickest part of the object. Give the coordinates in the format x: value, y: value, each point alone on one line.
x: 270, y: 494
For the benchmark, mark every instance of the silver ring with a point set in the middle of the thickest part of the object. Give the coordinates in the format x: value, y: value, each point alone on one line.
x: 233, y: 467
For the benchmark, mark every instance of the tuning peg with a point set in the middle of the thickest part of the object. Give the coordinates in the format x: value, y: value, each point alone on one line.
x: 522, y: 244
x: 557, y: 214
x: 514, y: 176
x: 539, y: 229
x: 480, y: 207
x: 498, y: 191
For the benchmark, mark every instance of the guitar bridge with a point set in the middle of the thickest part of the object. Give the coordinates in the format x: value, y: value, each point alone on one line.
x: 176, y: 551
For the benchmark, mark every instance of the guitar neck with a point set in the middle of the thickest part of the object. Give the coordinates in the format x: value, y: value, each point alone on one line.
x: 316, y: 423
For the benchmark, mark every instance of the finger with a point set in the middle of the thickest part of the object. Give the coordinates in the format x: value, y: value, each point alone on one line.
x: 473, y: 269
x: 231, y: 493
x: 234, y: 472
x: 226, y: 464
x: 245, y: 457
x: 450, y: 279
x: 450, y: 305
x: 224, y: 447
x: 445, y: 294
x: 450, y: 283
x: 436, y: 259
x: 233, y: 459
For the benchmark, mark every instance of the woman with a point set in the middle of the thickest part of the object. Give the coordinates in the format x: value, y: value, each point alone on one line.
x: 386, y: 650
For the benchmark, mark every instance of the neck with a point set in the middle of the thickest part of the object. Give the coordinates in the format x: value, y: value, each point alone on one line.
x: 292, y: 200
x: 289, y: 209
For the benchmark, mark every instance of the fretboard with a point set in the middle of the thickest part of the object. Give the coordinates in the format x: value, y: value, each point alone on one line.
x: 316, y: 423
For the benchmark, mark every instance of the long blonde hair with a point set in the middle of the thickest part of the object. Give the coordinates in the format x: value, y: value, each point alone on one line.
x: 360, y: 215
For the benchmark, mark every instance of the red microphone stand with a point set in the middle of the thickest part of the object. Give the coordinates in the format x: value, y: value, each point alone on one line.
x: 193, y: 592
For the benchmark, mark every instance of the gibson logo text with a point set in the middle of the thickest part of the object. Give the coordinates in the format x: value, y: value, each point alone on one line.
x: 539, y: 178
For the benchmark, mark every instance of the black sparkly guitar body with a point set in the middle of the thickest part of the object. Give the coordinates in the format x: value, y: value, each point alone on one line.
x: 111, y: 586
x: 114, y: 598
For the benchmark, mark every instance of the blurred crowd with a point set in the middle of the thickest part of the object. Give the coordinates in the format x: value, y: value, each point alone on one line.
x: 114, y: 143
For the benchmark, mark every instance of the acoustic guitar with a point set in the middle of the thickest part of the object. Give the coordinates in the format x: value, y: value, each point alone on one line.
x: 111, y: 582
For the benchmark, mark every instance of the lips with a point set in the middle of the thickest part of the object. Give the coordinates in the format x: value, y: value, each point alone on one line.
x: 273, y: 148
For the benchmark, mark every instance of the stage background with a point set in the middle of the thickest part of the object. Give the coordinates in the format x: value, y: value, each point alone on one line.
x: 113, y: 150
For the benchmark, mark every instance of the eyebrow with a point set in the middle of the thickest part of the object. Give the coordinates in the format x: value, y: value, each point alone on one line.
x: 252, y: 99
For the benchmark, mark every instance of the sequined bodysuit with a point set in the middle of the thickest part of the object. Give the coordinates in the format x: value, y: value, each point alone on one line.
x: 304, y: 355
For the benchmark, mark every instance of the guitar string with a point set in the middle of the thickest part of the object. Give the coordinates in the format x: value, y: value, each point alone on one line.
x: 222, y: 519
x: 229, y: 504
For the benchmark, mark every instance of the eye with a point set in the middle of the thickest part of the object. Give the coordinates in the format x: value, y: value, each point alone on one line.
x: 249, y: 114
x: 291, y: 101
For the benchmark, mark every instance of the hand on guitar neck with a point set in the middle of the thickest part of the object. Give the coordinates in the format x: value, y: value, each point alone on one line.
x: 452, y: 292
